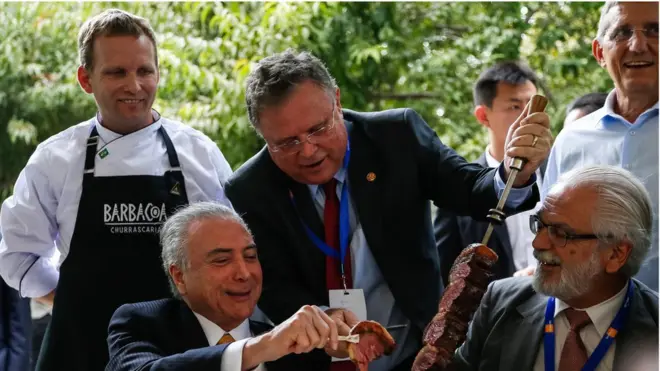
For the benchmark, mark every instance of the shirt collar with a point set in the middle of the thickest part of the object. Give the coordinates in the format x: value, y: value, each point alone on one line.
x: 108, y: 135
x: 601, y: 314
x: 340, y: 176
x: 607, y: 113
x: 214, y: 332
x: 490, y: 160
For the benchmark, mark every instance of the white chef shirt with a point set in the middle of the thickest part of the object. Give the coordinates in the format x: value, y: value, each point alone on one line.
x: 37, y: 222
x: 232, y: 356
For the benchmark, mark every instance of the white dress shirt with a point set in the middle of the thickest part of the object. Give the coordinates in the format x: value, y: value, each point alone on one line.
x: 517, y: 226
x: 601, y: 316
x: 38, y: 221
x: 232, y: 357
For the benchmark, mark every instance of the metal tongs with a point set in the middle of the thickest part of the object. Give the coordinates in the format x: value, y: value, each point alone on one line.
x: 356, y: 338
x: 350, y: 338
x: 496, y: 216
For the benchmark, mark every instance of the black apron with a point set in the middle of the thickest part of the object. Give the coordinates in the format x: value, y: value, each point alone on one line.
x: 114, y: 258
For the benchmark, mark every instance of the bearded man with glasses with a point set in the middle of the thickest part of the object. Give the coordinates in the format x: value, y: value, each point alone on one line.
x: 582, y: 309
x: 339, y: 204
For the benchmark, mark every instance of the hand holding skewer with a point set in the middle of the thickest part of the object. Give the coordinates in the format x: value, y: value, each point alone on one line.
x: 529, y: 140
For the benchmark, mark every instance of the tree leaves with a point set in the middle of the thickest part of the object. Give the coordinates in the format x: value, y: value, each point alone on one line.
x: 422, y: 55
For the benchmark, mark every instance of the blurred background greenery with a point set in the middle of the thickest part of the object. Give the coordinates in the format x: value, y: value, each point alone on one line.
x: 423, y: 55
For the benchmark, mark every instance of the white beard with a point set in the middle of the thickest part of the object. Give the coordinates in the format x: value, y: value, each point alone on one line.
x: 574, y: 281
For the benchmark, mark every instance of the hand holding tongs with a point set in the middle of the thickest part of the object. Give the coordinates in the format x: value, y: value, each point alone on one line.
x: 350, y: 338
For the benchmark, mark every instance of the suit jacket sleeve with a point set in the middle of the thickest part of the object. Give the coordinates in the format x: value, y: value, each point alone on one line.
x: 450, y: 181
x: 133, y: 345
x: 15, y: 322
x: 468, y: 356
x: 449, y: 241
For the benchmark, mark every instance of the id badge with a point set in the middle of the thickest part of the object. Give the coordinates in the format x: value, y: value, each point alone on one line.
x: 353, y: 300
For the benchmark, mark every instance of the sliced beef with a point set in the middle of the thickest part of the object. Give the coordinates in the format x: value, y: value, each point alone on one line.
x: 468, y: 280
x: 461, y: 298
x: 425, y: 359
x: 374, y: 342
x: 478, y: 254
x: 431, y: 358
x: 445, y: 331
x: 471, y: 272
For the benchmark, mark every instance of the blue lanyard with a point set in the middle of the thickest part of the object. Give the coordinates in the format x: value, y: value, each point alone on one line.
x: 605, y: 342
x: 344, y: 223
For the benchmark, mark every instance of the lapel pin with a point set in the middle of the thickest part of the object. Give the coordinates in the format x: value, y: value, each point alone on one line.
x: 371, y: 176
x: 104, y: 153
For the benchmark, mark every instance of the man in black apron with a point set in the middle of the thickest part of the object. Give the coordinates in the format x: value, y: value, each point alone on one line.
x: 105, y: 269
x: 113, y: 254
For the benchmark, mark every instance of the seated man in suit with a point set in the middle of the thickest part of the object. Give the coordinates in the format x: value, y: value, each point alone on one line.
x: 339, y: 200
x: 582, y: 305
x: 500, y: 95
x: 211, y: 261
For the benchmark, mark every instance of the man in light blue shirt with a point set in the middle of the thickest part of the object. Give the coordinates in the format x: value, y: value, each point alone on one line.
x: 625, y: 131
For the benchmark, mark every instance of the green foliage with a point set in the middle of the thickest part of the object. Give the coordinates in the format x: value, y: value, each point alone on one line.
x: 383, y: 55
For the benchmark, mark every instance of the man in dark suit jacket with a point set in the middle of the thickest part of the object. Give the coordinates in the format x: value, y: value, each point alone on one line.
x: 212, y: 263
x: 396, y: 166
x: 15, y: 330
x: 592, y: 233
x: 500, y: 95
x: 507, y: 331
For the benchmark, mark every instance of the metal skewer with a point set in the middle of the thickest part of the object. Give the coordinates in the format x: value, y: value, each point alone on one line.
x: 497, y: 216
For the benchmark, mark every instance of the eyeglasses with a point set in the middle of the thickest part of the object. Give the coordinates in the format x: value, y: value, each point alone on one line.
x: 317, y: 136
x: 558, y: 236
x: 625, y: 33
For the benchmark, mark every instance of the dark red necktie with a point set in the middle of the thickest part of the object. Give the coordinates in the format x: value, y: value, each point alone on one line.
x: 332, y: 266
x: 574, y: 354
x: 331, y: 220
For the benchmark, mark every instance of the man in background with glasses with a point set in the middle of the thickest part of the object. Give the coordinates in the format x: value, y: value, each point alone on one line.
x: 338, y: 202
x: 625, y: 131
x: 582, y: 310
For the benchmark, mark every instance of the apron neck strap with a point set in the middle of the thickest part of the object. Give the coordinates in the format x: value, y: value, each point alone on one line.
x: 92, y: 143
